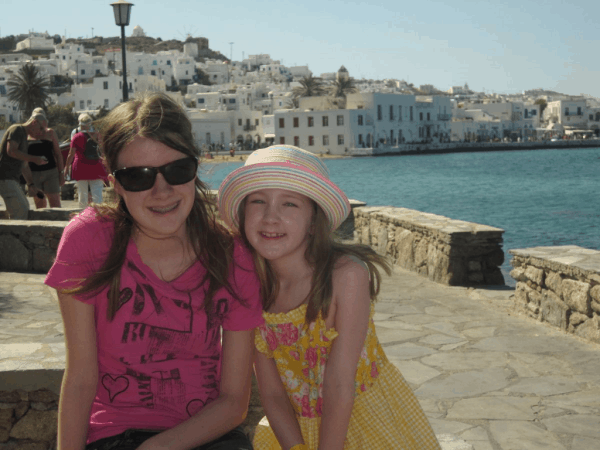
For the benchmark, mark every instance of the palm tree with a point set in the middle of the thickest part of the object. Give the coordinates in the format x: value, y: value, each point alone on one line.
x: 340, y: 88
x: 29, y: 89
x: 310, y: 87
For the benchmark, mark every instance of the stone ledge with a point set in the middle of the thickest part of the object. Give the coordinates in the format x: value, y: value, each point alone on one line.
x: 559, y: 286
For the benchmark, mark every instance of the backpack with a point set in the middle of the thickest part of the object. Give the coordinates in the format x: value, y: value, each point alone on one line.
x: 92, y: 149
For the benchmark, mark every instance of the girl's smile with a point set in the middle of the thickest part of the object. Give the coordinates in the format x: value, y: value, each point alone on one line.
x: 278, y: 222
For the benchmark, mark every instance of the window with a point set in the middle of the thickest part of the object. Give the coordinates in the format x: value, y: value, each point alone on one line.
x: 282, y: 125
x: 81, y: 104
x: 154, y: 63
x: 311, y: 121
x: 534, y: 112
x: 325, y: 139
x: 420, y: 116
x: 591, y: 117
x: 297, y: 141
x: 168, y: 62
x: 239, y: 122
x: 391, y: 112
x: 256, y: 122
x: 411, y: 113
x: 232, y: 100
x: 325, y: 121
x: 89, y: 103
x: 379, y: 112
x: 400, y: 113
x: 360, y: 139
x: 153, y: 72
x: 106, y: 103
x: 97, y: 71
x: 340, y: 139
x: 579, y: 113
x: 526, y: 113
x: 340, y: 120
x: 296, y: 122
x: 200, y: 100
x: 311, y: 140
x: 428, y: 116
x: 282, y: 139
x: 566, y: 111
x: 105, y: 85
x: 360, y: 119
x: 82, y: 71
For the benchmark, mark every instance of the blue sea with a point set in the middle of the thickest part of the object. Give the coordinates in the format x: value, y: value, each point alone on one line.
x: 539, y: 197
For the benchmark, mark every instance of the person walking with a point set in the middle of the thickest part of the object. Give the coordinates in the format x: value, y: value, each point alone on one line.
x: 89, y: 174
x: 13, y: 156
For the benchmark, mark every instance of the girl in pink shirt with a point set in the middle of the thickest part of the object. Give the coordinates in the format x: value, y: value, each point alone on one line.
x: 159, y: 301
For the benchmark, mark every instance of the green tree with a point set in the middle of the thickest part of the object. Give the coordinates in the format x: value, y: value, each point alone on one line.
x: 28, y: 88
x: 543, y: 103
x: 309, y: 87
x: 340, y: 89
x: 62, y: 120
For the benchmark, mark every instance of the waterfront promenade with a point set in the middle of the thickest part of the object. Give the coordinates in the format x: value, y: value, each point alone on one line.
x: 487, y: 378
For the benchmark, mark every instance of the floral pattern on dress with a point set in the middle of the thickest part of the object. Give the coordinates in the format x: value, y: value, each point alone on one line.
x: 301, y: 354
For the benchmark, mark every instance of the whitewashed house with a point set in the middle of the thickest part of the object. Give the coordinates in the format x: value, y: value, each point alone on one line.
x: 569, y: 113
x: 36, y: 41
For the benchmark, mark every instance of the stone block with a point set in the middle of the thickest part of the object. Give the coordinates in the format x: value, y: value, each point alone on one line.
x: 493, y: 277
x: 14, y: 256
x: 576, y: 295
x: 495, y: 258
x: 365, y: 237
x: 535, y: 297
x: 36, y: 425
x: 553, y: 310
x: 533, y: 308
x: 4, y: 435
x: 27, y: 445
x: 404, y: 248
x: 382, y: 240
x: 43, y: 395
x: 21, y: 409
x: 474, y: 266
x: 595, y: 306
x: 9, y: 397
x: 554, y: 282
x: 6, y: 420
x: 518, y: 274
x: 475, y: 277
x: 595, y: 293
x: 521, y: 295
x: 535, y: 275
x: 438, y: 265
x: 421, y: 253
x: 590, y: 329
x: 43, y: 258
x: 577, y: 319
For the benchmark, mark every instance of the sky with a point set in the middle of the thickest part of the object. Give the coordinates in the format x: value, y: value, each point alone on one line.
x: 506, y: 46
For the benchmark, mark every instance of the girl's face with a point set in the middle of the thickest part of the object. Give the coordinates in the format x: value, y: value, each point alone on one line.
x: 278, y: 223
x: 162, y: 210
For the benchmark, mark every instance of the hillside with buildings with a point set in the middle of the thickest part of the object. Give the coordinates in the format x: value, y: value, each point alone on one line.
x: 259, y: 100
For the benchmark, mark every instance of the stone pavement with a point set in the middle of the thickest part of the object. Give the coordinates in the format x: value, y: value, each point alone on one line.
x: 487, y: 378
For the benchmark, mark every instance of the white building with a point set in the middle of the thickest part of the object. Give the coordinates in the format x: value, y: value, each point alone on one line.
x: 12, y: 58
x: 36, y: 41
x: 569, y: 113
x: 244, y: 126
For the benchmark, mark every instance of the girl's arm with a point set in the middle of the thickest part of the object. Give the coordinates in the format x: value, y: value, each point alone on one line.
x: 81, y: 373
x: 70, y: 158
x: 228, y: 410
x: 276, y: 403
x: 352, y: 308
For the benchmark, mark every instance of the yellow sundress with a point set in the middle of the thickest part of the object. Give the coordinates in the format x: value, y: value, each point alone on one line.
x: 386, y: 414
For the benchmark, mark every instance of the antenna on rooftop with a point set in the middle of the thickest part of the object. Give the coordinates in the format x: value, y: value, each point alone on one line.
x: 231, y: 51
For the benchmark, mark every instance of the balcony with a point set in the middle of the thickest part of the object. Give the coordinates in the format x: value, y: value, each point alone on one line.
x: 443, y: 117
x: 249, y: 127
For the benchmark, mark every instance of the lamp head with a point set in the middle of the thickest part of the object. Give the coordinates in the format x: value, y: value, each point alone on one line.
x: 122, y: 10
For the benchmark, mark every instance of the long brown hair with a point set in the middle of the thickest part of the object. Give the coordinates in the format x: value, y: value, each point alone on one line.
x: 157, y: 117
x: 323, y: 252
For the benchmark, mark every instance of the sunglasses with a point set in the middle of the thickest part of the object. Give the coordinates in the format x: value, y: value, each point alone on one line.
x: 137, y: 179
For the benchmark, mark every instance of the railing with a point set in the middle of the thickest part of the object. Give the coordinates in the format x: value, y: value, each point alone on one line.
x: 443, y: 117
x: 249, y: 127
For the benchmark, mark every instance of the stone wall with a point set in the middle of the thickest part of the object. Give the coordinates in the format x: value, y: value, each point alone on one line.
x: 29, y: 245
x: 559, y: 286
x: 447, y: 251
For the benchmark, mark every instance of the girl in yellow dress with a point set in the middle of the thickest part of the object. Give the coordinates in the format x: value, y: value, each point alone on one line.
x: 324, y: 380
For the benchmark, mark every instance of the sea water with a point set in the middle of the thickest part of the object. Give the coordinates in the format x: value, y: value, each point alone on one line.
x: 539, y: 197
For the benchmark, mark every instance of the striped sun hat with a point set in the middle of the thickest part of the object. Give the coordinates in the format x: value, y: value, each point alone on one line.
x: 283, y: 167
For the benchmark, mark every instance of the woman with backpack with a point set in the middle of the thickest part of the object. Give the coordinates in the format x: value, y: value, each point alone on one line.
x: 88, y: 170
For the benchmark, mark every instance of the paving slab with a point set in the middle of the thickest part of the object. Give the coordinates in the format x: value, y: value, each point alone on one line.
x: 488, y: 378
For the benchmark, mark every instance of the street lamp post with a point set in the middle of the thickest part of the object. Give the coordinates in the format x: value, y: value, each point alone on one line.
x: 122, y: 10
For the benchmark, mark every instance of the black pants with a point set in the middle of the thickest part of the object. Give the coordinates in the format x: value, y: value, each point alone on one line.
x: 132, y: 439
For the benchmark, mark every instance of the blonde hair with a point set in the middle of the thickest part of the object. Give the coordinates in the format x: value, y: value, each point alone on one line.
x: 323, y: 253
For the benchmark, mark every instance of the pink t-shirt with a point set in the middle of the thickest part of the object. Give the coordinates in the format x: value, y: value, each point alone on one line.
x: 83, y: 168
x: 159, y: 358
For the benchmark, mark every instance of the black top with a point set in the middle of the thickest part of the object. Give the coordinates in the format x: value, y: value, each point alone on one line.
x: 42, y: 148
